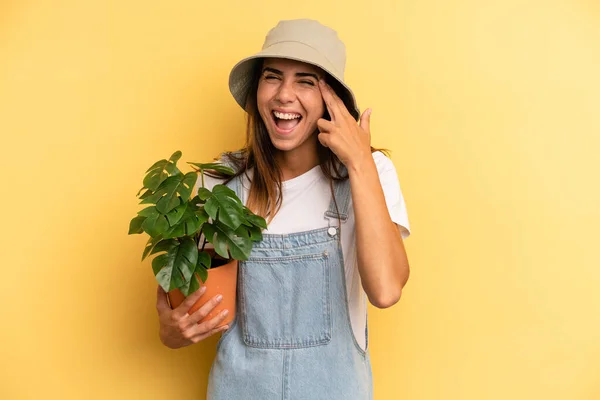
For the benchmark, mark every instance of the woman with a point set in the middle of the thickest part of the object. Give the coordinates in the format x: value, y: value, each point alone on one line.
x: 335, y: 235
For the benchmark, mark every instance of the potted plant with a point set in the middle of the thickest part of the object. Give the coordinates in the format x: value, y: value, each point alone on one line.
x: 181, y: 225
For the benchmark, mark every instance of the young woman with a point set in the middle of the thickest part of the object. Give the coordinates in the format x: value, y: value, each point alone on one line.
x: 336, y: 224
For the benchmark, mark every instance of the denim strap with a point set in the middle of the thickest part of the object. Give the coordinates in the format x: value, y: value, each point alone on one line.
x: 342, y: 196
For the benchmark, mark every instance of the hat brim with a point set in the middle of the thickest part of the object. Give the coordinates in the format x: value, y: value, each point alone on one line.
x: 240, y: 78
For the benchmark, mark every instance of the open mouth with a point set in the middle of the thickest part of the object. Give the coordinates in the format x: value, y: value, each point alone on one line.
x: 286, y: 122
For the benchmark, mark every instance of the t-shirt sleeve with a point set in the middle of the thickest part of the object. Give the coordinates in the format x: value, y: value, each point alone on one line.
x: 393, y: 193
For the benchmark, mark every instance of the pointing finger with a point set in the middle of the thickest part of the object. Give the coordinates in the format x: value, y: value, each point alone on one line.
x: 330, y: 100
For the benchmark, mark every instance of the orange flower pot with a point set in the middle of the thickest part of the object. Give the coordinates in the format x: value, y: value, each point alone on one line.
x: 221, y: 280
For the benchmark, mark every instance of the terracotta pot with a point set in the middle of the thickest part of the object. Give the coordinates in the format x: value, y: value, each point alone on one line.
x: 221, y: 280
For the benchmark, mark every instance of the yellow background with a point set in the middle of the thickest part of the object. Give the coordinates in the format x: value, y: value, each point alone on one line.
x: 491, y: 109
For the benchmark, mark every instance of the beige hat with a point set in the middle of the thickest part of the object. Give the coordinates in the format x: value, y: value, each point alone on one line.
x: 303, y: 40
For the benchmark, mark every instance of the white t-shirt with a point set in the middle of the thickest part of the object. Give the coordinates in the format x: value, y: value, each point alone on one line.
x: 313, y: 188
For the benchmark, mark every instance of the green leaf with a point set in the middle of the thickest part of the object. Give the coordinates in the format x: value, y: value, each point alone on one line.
x: 243, y: 231
x: 255, y: 234
x: 225, y: 206
x: 187, y: 257
x: 148, y: 212
x: 210, y: 233
x: 204, y: 193
x: 174, y: 216
x: 165, y: 197
x: 201, y: 270
x: 174, y: 268
x: 212, y: 208
x: 227, y: 242
x: 190, y: 287
x: 162, y: 266
x: 146, y: 194
x: 175, y: 156
x: 257, y: 220
x: 155, y: 225
x: 150, y: 245
x: 202, y: 265
x: 202, y: 215
x: 252, y: 232
x: 135, y: 226
x: 190, y: 222
x: 218, y: 167
x: 164, y: 245
x: 204, y: 259
x: 160, y: 171
x: 196, y: 201
x: 202, y: 273
x: 175, y: 231
x: 225, y: 191
x: 167, y: 275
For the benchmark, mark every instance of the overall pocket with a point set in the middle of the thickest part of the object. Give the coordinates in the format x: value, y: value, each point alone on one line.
x: 285, y: 301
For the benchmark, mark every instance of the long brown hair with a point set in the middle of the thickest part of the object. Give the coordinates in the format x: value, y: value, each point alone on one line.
x: 258, y: 154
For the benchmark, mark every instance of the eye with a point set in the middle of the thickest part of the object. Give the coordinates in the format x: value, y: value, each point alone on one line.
x: 311, y: 83
x: 270, y: 77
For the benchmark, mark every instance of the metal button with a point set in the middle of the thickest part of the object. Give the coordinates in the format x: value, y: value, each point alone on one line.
x: 332, y: 231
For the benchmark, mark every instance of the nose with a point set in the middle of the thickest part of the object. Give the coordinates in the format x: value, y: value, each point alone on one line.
x: 286, y: 94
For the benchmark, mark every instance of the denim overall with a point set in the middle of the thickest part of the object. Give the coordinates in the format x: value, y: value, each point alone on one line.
x: 292, y: 338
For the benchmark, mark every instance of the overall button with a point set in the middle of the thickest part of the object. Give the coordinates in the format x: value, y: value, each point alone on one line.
x: 332, y: 231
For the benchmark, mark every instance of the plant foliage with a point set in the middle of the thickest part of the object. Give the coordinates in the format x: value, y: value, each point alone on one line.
x: 177, y: 219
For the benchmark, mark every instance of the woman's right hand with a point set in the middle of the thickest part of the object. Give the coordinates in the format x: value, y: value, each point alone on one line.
x: 178, y: 328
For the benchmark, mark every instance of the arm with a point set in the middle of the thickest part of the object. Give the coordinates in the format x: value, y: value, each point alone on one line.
x: 382, y: 259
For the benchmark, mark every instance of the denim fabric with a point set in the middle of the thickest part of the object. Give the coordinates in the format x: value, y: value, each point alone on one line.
x: 292, y: 338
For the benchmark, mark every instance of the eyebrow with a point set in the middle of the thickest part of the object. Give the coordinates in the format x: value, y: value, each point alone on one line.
x: 298, y: 74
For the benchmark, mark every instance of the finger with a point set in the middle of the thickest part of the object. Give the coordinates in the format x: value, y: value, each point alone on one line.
x: 330, y: 101
x: 182, y: 310
x: 324, y: 139
x: 205, y: 309
x: 342, y: 110
x: 161, y: 299
x: 365, y: 121
x: 206, y: 327
x: 325, y: 125
x: 212, y: 323
x: 198, y: 338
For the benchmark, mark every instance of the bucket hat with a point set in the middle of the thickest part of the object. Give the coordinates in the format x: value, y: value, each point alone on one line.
x: 304, y: 40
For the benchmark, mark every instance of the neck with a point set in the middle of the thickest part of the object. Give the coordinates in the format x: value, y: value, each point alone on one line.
x: 298, y: 161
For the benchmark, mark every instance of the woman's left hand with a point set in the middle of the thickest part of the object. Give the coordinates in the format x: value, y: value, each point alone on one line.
x: 350, y: 141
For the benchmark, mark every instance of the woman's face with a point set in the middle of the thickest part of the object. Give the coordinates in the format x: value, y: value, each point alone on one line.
x: 290, y: 102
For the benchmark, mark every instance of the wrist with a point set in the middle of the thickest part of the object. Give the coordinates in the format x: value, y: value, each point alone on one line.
x: 360, y: 164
